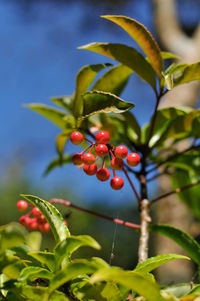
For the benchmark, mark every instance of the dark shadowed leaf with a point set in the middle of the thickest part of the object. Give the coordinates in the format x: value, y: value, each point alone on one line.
x: 104, y: 102
x: 143, y: 37
x: 45, y: 258
x: 187, y: 242
x: 52, y: 215
x: 114, y: 80
x: 128, y: 56
x: 84, y: 79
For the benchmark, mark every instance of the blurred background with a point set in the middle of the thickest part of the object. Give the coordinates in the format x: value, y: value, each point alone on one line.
x: 39, y: 59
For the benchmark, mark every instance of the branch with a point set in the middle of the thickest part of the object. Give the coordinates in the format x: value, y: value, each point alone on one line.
x: 144, y: 231
x: 114, y: 220
x: 174, y: 156
x: 177, y: 190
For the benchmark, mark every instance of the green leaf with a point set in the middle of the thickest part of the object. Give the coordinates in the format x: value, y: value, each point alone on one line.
x: 46, y: 258
x: 30, y: 273
x: 34, y: 240
x: 65, y: 248
x: 168, y: 74
x: 190, y: 73
x: 143, y: 37
x: 187, y: 242
x: 153, y: 262
x: 52, y: 215
x: 74, y: 269
x: 132, y: 127
x: 84, y: 79
x: 13, y: 270
x: 64, y: 102
x: 111, y: 292
x: 61, y: 140
x: 179, y: 290
x: 54, y: 115
x: 168, y: 55
x: 104, y: 102
x: 114, y: 80
x: 57, y: 162
x: 132, y: 280
x: 35, y: 293
x: 11, y: 235
x: 127, y: 56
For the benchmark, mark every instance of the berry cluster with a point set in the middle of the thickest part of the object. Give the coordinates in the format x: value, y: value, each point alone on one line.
x: 34, y: 219
x: 102, y: 148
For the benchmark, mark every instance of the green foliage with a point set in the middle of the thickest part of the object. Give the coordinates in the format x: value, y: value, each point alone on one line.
x: 28, y: 273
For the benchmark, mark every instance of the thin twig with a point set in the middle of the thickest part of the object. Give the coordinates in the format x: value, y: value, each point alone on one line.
x: 177, y: 190
x: 174, y: 156
x: 158, y: 97
x: 114, y: 220
x: 144, y: 231
x: 132, y: 186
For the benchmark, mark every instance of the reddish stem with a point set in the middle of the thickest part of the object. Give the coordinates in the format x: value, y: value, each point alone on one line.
x: 132, y: 186
x: 88, y: 140
x: 114, y: 220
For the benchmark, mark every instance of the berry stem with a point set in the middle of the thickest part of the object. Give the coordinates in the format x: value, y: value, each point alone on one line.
x: 132, y: 186
x: 91, y: 147
x: 114, y: 220
x: 86, y: 149
x: 88, y: 140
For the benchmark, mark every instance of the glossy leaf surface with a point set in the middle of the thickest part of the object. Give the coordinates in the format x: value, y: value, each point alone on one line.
x: 125, y: 55
x: 52, y: 215
x: 143, y: 37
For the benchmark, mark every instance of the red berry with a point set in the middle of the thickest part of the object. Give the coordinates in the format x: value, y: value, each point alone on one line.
x: 76, y: 159
x: 117, y: 163
x: 44, y: 228
x: 32, y: 223
x: 102, y: 137
x: 23, y: 220
x: 103, y: 174
x: 65, y: 222
x: 36, y: 212
x: 133, y: 159
x: 41, y: 220
x: 90, y: 170
x: 76, y: 138
x: 116, y: 183
x: 22, y: 205
x: 121, y: 151
x: 88, y: 159
x: 101, y: 150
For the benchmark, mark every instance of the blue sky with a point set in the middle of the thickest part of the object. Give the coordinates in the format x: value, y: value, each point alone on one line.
x: 39, y: 59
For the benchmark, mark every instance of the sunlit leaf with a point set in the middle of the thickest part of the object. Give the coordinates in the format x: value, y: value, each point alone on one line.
x: 11, y: 235
x: 61, y: 140
x: 30, y: 273
x: 52, y: 215
x: 57, y: 162
x: 34, y: 240
x: 34, y: 293
x: 114, y: 80
x: 65, y: 248
x: 64, y: 102
x: 46, y: 258
x: 104, y: 102
x: 53, y: 114
x: 13, y: 270
x: 190, y: 73
x: 75, y: 268
x: 143, y: 37
x: 128, y: 56
x: 153, y: 262
x: 132, y: 280
x: 84, y: 79
x: 168, y: 55
x: 187, y: 242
